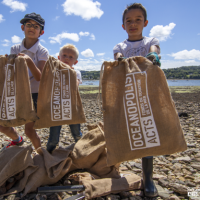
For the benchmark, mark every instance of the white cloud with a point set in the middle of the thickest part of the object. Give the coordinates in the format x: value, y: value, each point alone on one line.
x: 84, y: 33
x: 166, y: 64
x: 88, y: 65
x: 16, y: 39
x: 6, y: 40
x: 1, y: 18
x: 198, y: 34
x: 100, y: 54
x: 15, y: 5
x: 87, y: 53
x: 87, y: 9
x: 92, y: 37
x: 55, y: 55
x: 41, y: 40
x: 56, y: 18
x: 6, y: 43
x: 58, y: 38
x: 187, y: 55
x: 162, y: 32
x: 190, y: 61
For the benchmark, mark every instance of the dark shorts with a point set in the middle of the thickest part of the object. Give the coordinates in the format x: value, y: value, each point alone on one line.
x: 35, y: 97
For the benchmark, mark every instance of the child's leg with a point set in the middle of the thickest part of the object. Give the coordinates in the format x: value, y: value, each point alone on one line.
x: 76, y: 131
x: 11, y: 133
x: 32, y: 135
x: 149, y: 186
x: 53, y: 138
x: 29, y: 131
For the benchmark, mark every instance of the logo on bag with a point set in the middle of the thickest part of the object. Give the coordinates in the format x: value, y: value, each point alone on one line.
x: 193, y: 192
x: 61, y: 96
x: 8, y: 101
x: 142, y: 131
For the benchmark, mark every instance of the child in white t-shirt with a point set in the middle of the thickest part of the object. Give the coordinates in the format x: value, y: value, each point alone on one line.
x: 36, y: 56
x: 69, y: 55
x: 134, y: 20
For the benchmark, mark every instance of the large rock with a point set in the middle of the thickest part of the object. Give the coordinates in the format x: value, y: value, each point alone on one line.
x: 162, y: 193
x: 181, y: 189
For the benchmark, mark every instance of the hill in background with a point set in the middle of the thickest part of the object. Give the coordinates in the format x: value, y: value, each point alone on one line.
x: 186, y: 72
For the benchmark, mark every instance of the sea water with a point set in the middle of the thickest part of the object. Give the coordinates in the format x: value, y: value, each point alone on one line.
x: 170, y: 82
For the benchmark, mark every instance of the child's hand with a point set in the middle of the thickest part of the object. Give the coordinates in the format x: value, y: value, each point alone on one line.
x: 26, y: 57
x: 117, y: 55
x: 154, y: 58
x: 36, y: 72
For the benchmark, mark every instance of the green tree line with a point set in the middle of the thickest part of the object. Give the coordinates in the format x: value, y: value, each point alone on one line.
x: 186, y: 72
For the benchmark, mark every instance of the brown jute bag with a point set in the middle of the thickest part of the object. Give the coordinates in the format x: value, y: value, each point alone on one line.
x: 102, y: 187
x: 59, y: 101
x: 16, y: 106
x: 140, y: 118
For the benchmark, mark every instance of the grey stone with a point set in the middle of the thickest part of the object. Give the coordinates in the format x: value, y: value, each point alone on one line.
x: 138, y: 165
x: 158, y: 176
x: 112, y: 197
x: 181, y: 189
x: 161, y: 192
x: 174, y: 198
x: 186, y: 159
x: 196, y: 166
x: 163, y: 182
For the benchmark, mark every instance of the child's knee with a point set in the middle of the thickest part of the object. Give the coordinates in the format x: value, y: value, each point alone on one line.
x: 5, y: 129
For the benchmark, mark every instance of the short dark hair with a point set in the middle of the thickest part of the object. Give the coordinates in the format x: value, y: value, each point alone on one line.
x: 135, y: 6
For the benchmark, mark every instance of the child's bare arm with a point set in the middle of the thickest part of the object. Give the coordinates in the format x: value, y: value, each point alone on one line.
x: 118, y: 55
x: 153, y: 55
x: 41, y: 65
x: 155, y: 48
x: 36, y: 72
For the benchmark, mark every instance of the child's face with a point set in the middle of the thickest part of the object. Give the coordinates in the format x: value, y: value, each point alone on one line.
x: 32, y: 32
x: 68, y: 56
x: 134, y: 24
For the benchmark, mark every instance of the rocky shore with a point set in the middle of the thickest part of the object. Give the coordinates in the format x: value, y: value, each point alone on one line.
x: 175, y: 175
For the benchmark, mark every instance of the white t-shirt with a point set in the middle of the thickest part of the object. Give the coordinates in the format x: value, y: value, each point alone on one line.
x: 78, y: 74
x: 136, y: 48
x: 37, y: 52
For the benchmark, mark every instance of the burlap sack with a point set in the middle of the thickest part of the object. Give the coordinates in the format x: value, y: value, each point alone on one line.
x: 59, y: 101
x: 140, y: 118
x: 89, y: 153
x: 51, y: 168
x: 105, y: 186
x: 13, y: 161
x: 80, y: 176
x: 16, y: 106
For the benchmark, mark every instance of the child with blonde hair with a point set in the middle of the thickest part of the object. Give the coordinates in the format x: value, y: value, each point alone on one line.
x: 68, y: 54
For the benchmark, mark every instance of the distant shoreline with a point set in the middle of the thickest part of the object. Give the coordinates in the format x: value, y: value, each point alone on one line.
x: 167, y: 79
x: 183, y: 79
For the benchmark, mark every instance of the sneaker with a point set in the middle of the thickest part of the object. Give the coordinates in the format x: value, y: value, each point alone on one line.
x: 12, y: 143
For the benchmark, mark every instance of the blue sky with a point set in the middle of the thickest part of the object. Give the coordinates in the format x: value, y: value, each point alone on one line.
x: 94, y: 27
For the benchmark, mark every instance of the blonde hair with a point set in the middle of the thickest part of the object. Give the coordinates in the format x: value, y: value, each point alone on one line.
x: 70, y: 46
